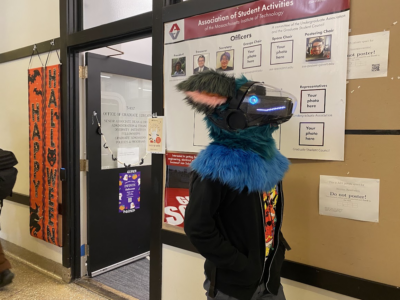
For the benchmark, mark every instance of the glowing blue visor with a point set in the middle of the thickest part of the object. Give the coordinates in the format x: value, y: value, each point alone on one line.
x: 265, y: 104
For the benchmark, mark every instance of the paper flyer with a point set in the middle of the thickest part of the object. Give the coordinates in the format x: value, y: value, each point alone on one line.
x: 350, y: 198
x: 155, y: 135
x: 129, y: 192
x: 368, y: 55
x: 128, y: 156
x: 177, y: 187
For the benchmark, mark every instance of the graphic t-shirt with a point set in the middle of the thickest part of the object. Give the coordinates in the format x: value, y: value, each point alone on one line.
x: 270, y: 200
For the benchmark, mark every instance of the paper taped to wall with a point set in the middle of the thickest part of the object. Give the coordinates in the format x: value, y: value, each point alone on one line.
x: 351, y: 198
x: 368, y: 55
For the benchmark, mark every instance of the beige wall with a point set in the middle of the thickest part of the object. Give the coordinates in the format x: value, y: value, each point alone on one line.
x: 22, y: 23
x: 26, y: 22
x: 183, y: 277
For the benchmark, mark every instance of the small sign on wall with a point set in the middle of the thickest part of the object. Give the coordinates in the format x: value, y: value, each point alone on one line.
x: 155, y: 135
x: 368, y: 55
x: 351, y: 198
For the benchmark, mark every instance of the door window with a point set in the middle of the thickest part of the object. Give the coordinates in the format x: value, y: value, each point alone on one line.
x: 125, y: 107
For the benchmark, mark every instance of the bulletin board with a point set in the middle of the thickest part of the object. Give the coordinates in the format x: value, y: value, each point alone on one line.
x: 361, y: 249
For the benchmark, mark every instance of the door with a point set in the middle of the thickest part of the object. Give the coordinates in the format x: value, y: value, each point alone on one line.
x: 118, y: 95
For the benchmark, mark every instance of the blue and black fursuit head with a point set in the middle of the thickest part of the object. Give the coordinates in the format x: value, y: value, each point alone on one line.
x: 244, y: 158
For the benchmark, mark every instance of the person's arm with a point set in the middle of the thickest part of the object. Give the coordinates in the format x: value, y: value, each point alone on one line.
x: 200, y: 226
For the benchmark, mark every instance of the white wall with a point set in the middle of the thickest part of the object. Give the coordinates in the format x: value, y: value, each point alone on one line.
x: 139, y: 51
x: 15, y: 229
x: 187, y: 280
x: 26, y: 22
x: 101, y: 12
x: 22, y: 23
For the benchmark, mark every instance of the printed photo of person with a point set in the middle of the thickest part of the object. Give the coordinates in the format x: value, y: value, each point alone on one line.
x: 225, y: 60
x: 319, y: 48
x: 178, y: 66
x: 201, y: 61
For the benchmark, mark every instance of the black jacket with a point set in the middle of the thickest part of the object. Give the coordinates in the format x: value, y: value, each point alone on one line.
x: 227, y: 228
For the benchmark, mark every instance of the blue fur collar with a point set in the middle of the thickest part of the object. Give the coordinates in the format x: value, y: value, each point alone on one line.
x: 239, y: 168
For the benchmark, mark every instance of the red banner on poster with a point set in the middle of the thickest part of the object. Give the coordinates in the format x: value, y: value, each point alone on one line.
x: 36, y: 142
x: 179, y: 159
x: 176, y: 201
x: 251, y: 15
x: 177, y: 187
x: 44, y: 155
x: 52, y: 151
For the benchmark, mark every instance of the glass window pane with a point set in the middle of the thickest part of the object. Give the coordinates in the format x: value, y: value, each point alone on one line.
x: 99, y: 12
x: 125, y: 107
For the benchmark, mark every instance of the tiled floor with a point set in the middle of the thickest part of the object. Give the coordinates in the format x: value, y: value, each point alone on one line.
x: 31, y: 284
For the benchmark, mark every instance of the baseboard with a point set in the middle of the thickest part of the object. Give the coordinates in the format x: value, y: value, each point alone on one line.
x: 351, y: 286
x: 36, y: 261
x: 19, y: 198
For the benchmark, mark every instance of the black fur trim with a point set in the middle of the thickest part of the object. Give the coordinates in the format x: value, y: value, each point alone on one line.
x: 211, y: 82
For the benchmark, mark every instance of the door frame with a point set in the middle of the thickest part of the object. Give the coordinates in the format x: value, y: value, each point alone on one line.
x: 72, y: 43
x: 139, y: 246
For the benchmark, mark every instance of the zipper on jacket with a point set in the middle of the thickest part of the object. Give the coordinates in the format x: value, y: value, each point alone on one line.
x: 263, y: 219
x: 277, y: 245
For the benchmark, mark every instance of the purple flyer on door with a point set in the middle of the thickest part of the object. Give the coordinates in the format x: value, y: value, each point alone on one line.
x: 129, y: 192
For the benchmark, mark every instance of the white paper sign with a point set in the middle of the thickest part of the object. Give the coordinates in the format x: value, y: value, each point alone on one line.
x: 350, y: 198
x: 128, y: 156
x: 368, y: 55
x: 155, y: 135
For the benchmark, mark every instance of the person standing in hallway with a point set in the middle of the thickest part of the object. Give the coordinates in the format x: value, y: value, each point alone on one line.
x: 235, y: 212
x: 8, y: 177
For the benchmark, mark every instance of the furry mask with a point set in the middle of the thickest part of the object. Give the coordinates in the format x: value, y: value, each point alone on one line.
x: 241, y: 158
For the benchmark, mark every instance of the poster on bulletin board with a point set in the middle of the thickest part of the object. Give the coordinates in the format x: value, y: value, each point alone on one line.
x: 297, y: 46
x: 177, y: 187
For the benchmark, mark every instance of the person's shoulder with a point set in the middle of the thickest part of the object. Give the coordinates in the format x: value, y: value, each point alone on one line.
x: 205, y: 182
x: 205, y: 68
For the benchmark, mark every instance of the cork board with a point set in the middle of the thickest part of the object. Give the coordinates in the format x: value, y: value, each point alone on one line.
x: 361, y: 249
x: 375, y: 105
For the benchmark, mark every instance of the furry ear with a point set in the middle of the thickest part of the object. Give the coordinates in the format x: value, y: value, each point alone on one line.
x: 207, y: 90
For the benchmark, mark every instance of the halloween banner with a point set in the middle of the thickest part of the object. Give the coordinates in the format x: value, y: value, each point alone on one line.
x: 52, y: 153
x: 177, y: 187
x: 45, y: 193
x: 36, y: 144
x: 297, y: 46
